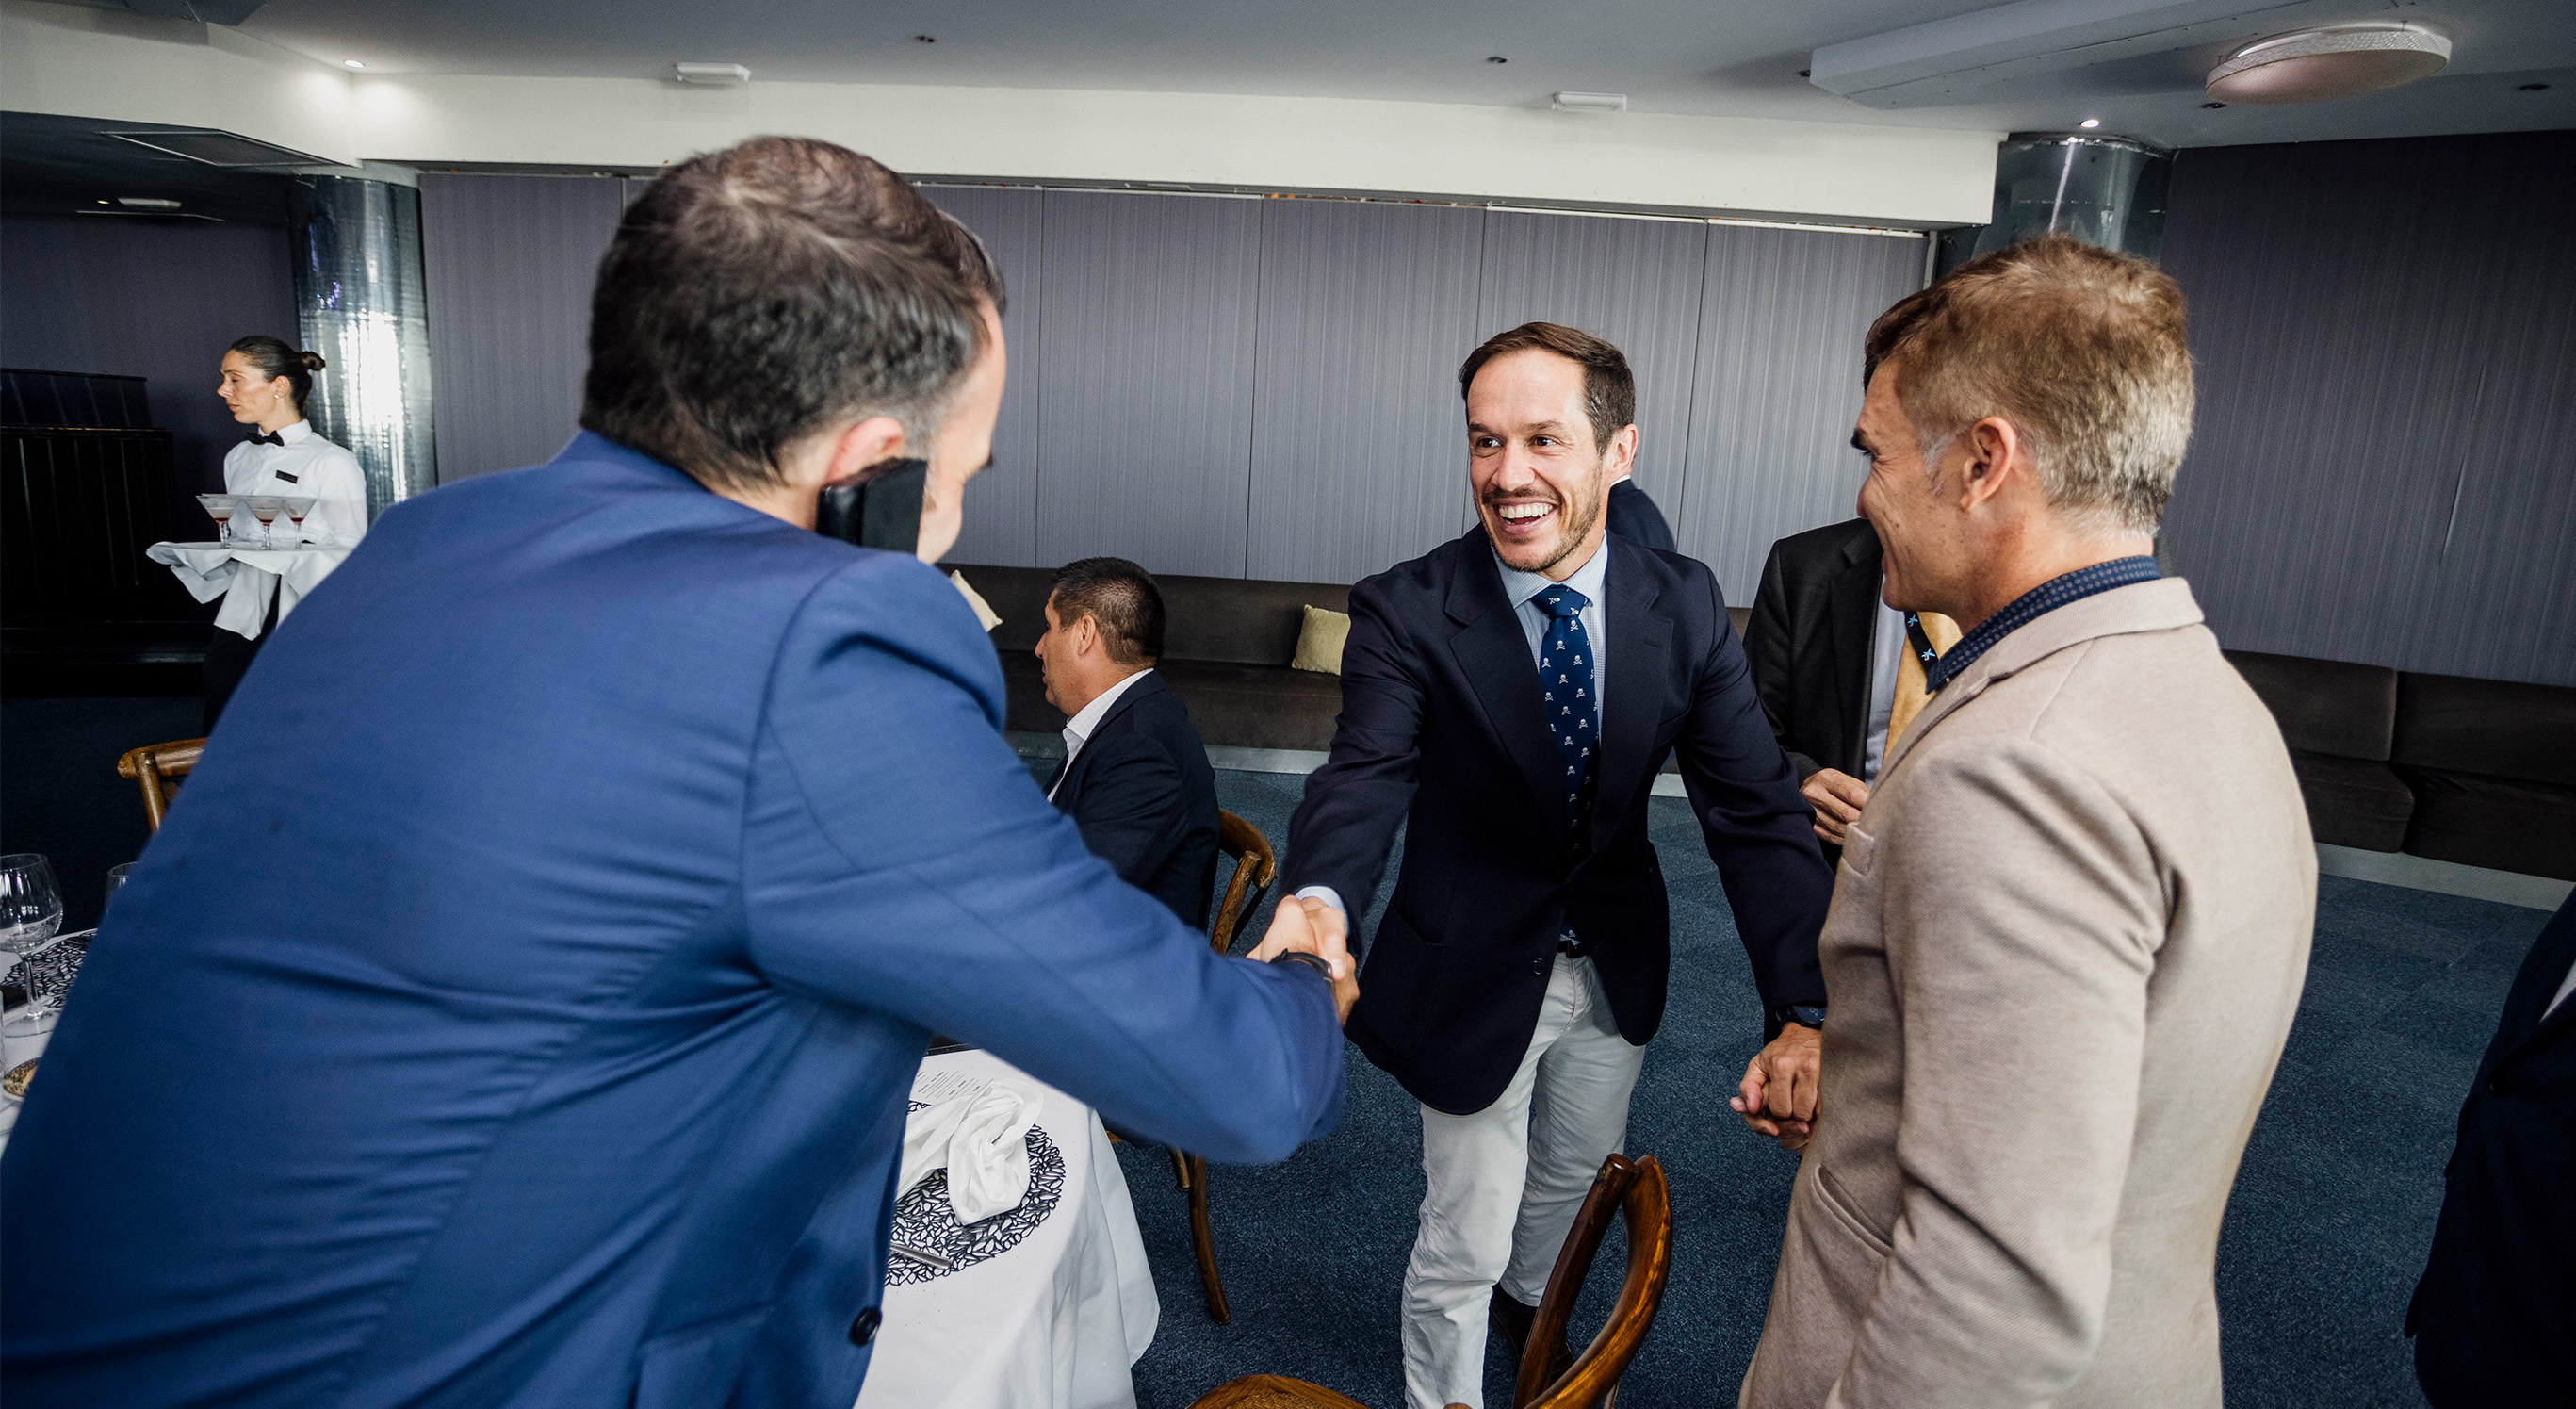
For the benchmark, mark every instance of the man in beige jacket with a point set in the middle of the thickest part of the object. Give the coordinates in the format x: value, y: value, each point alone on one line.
x: 2070, y: 927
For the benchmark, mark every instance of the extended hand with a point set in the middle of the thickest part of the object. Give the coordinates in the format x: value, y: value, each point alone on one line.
x: 1313, y: 927
x: 1837, y: 798
x: 1778, y: 1098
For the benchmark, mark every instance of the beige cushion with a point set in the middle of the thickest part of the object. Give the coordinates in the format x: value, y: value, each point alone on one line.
x: 1319, y: 644
x: 983, y: 609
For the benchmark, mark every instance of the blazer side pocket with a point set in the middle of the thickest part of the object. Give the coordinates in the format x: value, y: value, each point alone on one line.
x: 1829, y: 1194
x: 1860, y: 850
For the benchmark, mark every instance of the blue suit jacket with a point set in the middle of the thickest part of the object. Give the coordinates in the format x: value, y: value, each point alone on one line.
x: 1442, y: 731
x: 520, y: 1004
x: 2494, y: 1317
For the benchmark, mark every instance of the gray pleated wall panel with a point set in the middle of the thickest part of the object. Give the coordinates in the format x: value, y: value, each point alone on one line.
x: 1145, y: 379
x: 2384, y: 461
x: 1634, y: 282
x: 510, y: 261
x: 1002, y: 502
x: 1781, y: 321
x: 1359, y: 442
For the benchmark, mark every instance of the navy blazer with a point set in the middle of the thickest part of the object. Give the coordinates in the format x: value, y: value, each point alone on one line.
x: 1441, y: 729
x: 520, y: 1004
x: 1633, y: 516
x: 2494, y: 1318
x: 1142, y: 792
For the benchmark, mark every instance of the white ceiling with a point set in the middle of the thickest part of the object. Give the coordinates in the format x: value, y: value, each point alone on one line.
x: 1716, y: 57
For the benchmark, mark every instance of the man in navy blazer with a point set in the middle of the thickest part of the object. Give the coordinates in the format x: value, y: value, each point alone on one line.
x: 1135, y: 776
x: 2494, y: 1318
x: 520, y: 1004
x: 1508, y: 698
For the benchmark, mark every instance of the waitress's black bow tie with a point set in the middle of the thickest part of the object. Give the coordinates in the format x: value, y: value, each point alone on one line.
x: 267, y: 438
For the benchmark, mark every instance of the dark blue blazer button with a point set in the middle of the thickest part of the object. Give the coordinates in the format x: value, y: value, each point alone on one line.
x: 864, y: 1329
x: 1539, y: 967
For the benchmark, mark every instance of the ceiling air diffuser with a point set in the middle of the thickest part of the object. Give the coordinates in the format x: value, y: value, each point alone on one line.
x: 2338, y: 61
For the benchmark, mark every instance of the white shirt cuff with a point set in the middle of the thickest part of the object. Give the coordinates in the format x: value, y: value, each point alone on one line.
x: 1326, y: 894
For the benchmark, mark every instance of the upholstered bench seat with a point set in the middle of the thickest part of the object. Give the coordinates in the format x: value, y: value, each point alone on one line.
x: 2353, y: 801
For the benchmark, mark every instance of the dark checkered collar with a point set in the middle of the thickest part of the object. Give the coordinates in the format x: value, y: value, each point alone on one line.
x: 2033, y: 604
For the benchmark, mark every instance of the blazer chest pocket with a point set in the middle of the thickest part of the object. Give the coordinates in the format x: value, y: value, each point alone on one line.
x: 1860, y: 851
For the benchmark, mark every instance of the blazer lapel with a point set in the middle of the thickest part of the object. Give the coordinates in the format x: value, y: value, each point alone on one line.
x: 1067, y: 787
x: 1641, y: 640
x: 1495, y: 657
x: 1852, y: 603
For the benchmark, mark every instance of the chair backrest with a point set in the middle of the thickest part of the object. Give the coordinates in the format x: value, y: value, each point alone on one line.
x: 1636, y: 1189
x: 1254, y: 870
x: 157, y: 769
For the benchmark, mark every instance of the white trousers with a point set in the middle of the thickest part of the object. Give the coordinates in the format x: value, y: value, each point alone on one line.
x: 1506, y: 1182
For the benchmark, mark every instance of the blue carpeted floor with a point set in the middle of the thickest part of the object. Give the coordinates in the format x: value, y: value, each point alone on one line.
x: 2333, y: 1207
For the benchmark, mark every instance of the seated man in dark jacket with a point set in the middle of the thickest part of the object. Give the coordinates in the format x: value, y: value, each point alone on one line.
x: 1135, y: 777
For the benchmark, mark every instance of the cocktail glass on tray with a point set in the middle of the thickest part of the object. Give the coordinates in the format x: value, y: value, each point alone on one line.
x: 297, y: 506
x: 221, y: 508
x: 266, y: 508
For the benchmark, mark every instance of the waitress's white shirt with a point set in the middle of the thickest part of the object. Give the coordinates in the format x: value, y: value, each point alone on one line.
x: 305, y: 465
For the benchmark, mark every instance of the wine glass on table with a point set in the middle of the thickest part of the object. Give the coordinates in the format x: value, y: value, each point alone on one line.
x: 266, y: 508
x: 31, y: 904
x: 221, y: 508
x: 297, y: 506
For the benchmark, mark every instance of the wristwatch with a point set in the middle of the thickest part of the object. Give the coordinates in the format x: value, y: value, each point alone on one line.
x: 1804, y: 1014
x: 1299, y: 956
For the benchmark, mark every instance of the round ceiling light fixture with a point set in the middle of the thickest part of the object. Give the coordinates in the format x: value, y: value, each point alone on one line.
x: 2337, y: 61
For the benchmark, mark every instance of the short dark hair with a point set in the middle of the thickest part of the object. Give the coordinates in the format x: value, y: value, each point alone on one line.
x: 757, y: 294
x: 274, y: 358
x: 1609, y: 391
x: 1118, y: 595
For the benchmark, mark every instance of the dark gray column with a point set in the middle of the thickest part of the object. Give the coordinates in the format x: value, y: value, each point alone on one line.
x: 359, y: 302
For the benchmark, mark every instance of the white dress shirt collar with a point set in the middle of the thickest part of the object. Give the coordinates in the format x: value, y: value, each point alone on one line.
x: 296, y: 433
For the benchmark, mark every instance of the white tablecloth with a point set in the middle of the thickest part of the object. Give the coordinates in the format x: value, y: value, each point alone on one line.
x: 1052, y: 1322
x: 211, y: 570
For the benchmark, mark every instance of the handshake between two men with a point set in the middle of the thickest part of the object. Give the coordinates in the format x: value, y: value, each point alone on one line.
x: 1777, y: 1097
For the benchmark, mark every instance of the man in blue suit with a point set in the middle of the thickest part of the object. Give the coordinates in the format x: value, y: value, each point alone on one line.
x: 1508, y: 698
x: 519, y: 1006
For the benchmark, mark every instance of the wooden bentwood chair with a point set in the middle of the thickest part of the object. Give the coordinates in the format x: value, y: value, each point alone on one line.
x: 157, y: 769
x: 1254, y: 869
x: 1633, y: 1188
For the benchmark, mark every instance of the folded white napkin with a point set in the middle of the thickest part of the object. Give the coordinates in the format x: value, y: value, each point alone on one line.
x: 981, y: 1138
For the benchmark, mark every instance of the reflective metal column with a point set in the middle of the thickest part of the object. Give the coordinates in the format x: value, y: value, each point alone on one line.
x: 360, y: 303
x: 2100, y: 188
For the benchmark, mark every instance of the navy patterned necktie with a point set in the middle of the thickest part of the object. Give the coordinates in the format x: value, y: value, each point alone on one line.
x: 1566, y: 688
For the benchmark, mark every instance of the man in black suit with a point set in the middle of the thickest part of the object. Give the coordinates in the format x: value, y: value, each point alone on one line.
x: 1135, y: 777
x: 1826, y: 653
x: 1507, y: 698
x: 1633, y: 516
x: 2494, y: 1319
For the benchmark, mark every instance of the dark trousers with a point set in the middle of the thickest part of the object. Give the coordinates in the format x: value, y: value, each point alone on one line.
x: 228, y: 657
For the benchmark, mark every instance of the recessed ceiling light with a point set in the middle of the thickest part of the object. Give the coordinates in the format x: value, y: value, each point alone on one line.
x: 2090, y: 123
x: 353, y: 63
x: 2338, y: 61
x: 1496, y: 59
x: 2531, y: 88
x: 925, y: 39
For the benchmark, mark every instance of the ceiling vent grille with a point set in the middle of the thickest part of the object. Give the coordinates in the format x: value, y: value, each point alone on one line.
x: 217, y: 148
